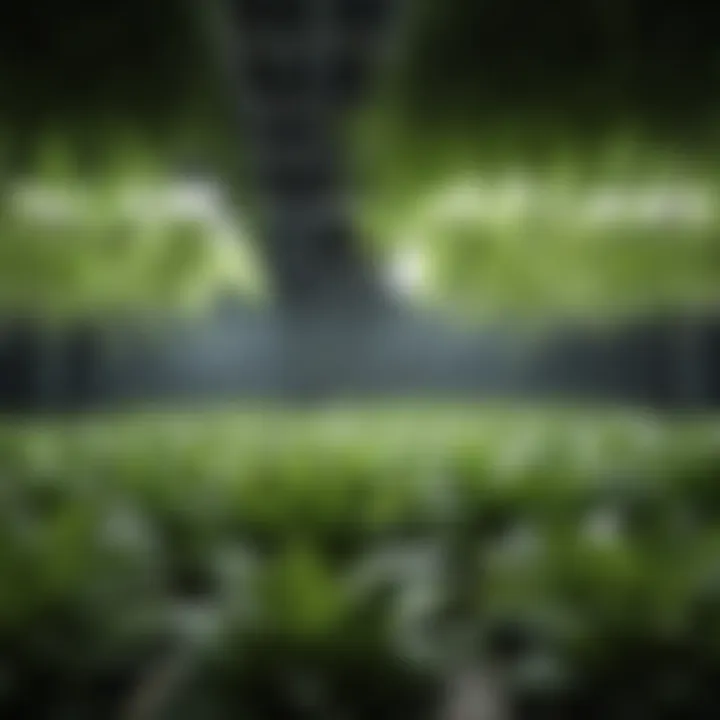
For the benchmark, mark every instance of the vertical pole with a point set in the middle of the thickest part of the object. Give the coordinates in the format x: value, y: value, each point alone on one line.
x: 299, y: 72
x: 294, y: 94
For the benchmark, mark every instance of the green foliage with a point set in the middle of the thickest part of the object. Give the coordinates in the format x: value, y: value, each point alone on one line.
x: 515, y: 223
x: 519, y: 223
x: 271, y: 545
x: 77, y: 243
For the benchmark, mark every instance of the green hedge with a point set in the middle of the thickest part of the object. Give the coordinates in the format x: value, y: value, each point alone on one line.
x: 338, y: 548
x: 495, y: 227
x: 74, y: 242
x: 538, y: 221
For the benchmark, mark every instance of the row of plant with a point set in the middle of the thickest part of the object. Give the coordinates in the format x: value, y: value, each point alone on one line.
x: 321, y: 564
x: 629, y: 226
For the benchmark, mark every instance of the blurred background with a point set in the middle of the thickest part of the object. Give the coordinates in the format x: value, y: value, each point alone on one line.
x: 588, y: 129
x: 521, y: 161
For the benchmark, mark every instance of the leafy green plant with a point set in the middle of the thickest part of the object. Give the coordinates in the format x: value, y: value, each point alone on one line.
x: 343, y: 547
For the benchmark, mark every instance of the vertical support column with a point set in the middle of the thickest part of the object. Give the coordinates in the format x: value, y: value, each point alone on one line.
x: 301, y: 67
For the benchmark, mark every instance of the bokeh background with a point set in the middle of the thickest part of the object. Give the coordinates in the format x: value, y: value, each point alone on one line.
x: 525, y: 160
x: 587, y: 128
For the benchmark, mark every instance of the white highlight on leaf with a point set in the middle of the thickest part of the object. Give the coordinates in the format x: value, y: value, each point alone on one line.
x: 408, y: 270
